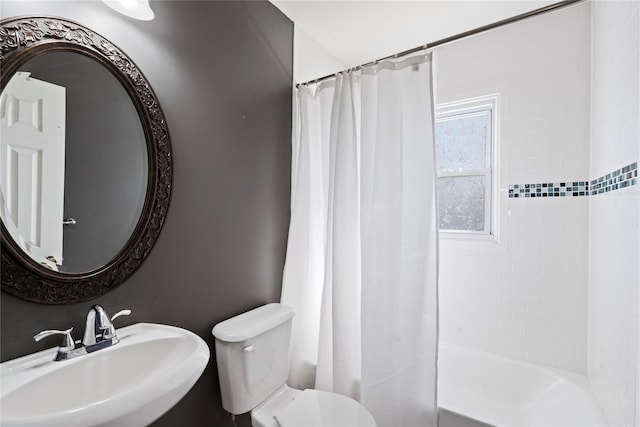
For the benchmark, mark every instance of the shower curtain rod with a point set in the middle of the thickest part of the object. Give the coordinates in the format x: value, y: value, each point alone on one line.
x: 455, y: 37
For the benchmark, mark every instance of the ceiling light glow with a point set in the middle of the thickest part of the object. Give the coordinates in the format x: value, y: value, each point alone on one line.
x: 137, y: 9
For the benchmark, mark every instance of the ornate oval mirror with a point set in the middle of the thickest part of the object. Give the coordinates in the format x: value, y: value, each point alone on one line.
x: 85, y: 162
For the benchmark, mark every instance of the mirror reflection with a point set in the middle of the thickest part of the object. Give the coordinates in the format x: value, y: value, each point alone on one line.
x: 73, y: 162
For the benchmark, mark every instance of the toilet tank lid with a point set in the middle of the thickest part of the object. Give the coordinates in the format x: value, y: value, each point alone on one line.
x: 252, y: 323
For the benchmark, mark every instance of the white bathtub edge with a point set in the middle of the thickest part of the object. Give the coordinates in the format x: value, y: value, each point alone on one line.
x: 502, y: 391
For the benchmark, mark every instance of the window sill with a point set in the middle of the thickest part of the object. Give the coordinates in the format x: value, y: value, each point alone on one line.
x: 465, y: 235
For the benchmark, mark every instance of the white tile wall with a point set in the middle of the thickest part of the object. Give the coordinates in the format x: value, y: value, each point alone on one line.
x: 527, y: 295
x: 614, y: 300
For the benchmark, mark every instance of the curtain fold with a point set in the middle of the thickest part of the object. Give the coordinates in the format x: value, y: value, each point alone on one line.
x: 361, y: 265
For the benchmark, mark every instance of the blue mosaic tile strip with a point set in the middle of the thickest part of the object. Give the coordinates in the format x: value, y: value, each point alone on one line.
x: 621, y: 178
x: 550, y: 189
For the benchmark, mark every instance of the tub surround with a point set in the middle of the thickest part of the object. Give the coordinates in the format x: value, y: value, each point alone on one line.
x: 559, y: 287
x: 614, y: 216
x: 524, y: 294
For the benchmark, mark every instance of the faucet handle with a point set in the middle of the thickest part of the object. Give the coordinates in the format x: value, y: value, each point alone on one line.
x: 102, y: 319
x: 67, y: 344
x: 120, y: 313
x: 110, y: 330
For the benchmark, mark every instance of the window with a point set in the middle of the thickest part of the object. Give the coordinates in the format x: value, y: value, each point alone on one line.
x: 465, y: 143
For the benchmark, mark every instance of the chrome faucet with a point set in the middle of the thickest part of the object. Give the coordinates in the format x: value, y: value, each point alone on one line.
x: 99, y: 333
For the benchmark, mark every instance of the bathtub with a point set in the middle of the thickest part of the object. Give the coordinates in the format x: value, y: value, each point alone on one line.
x: 482, y: 389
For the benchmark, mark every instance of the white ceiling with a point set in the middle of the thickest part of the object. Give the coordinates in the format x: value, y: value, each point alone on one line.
x: 354, y: 32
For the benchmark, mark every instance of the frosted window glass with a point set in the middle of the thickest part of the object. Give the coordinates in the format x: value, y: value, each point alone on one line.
x: 461, y: 203
x: 461, y: 142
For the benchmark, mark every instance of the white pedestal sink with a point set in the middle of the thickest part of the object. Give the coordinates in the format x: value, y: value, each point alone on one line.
x: 130, y: 384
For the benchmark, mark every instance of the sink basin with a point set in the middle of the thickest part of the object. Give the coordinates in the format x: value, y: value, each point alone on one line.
x: 130, y: 384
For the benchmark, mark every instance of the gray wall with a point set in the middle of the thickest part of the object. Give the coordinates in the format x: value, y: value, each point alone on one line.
x: 222, y: 72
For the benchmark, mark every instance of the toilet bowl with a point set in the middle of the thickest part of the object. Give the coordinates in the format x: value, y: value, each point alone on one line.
x: 252, y: 353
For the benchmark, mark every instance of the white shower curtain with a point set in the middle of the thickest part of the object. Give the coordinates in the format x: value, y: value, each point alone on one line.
x: 361, y: 265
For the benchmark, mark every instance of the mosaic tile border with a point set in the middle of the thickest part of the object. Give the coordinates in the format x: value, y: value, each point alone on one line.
x: 550, y: 189
x: 620, y: 178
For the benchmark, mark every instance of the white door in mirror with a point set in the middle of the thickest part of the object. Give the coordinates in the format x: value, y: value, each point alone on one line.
x: 32, y: 158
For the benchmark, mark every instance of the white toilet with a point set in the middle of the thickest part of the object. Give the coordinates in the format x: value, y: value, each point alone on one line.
x: 252, y: 351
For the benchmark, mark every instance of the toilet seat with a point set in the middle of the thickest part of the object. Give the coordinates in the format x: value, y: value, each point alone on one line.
x: 315, y: 408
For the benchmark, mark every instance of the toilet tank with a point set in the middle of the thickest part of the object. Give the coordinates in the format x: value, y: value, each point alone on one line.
x: 252, y: 353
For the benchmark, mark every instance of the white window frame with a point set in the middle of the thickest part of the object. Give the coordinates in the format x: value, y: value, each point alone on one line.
x: 469, y: 108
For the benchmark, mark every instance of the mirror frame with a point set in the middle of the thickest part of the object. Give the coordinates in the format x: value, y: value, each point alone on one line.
x: 24, y: 38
